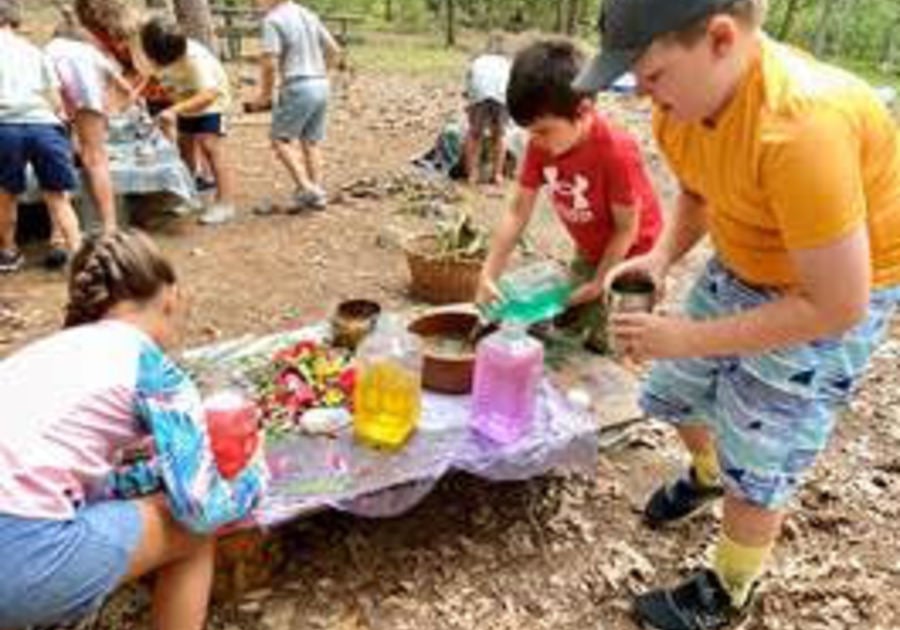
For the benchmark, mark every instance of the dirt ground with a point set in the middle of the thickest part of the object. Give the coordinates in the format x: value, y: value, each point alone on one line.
x: 561, y: 553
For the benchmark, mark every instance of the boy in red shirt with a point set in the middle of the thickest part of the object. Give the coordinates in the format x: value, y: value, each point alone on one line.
x: 593, y: 172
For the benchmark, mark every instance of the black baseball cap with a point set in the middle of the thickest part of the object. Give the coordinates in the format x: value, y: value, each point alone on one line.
x: 628, y: 27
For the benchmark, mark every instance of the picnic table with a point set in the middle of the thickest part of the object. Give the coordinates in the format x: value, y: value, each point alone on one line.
x: 234, y: 24
x: 143, y: 163
x: 314, y: 472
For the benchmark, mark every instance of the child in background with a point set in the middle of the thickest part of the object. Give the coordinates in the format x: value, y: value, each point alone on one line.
x: 201, y: 92
x: 85, y: 75
x: 297, y: 45
x: 31, y: 132
x: 72, y: 527
x: 594, y: 176
x: 792, y: 167
x: 113, y: 24
x: 486, y: 81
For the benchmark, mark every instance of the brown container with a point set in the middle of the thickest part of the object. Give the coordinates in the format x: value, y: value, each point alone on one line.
x: 439, y: 279
x: 352, y: 320
x: 446, y: 373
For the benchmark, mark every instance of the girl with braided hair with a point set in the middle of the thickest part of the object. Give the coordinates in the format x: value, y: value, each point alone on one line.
x: 73, y: 525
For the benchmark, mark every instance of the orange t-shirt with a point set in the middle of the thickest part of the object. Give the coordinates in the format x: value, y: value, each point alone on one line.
x: 803, y: 154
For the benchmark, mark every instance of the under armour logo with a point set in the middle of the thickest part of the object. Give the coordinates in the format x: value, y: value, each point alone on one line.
x: 569, y: 198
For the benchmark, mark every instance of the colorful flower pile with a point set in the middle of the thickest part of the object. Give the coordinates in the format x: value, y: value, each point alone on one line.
x: 307, y: 375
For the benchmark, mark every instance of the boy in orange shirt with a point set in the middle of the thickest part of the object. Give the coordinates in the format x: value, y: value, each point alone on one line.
x: 806, y: 274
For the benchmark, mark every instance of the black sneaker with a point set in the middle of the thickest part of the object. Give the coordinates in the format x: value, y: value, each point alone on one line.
x: 56, y: 259
x: 11, y: 260
x: 698, y: 603
x: 679, y: 499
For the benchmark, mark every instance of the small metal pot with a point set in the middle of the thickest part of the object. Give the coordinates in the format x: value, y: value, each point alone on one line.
x: 632, y: 293
x: 353, y: 320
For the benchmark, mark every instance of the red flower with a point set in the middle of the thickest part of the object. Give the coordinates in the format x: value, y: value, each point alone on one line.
x: 347, y: 380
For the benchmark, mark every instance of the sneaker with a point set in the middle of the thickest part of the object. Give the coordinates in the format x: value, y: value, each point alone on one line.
x: 11, y: 260
x: 56, y: 258
x: 314, y: 199
x: 679, y: 499
x: 698, y: 603
x: 217, y: 214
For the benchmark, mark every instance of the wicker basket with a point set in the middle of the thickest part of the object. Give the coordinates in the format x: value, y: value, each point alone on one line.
x: 440, y: 280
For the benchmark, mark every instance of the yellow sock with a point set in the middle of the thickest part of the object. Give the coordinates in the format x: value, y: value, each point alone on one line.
x: 706, y: 466
x: 738, y: 567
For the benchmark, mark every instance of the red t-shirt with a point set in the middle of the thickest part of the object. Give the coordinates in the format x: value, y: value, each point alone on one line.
x: 603, y: 169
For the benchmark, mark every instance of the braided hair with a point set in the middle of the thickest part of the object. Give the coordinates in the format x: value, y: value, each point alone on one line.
x: 111, y: 268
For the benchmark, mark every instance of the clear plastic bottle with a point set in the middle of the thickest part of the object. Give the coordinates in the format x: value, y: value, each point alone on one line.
x: 508, y: 369
x: 387, y: 399
x: 532, y: 293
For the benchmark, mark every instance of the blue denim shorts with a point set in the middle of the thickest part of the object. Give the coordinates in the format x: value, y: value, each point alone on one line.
x: 213, y: 124
x: 60, y: 571
x: 771, y: 413
x: 301, y: 110
x: 46, y: 147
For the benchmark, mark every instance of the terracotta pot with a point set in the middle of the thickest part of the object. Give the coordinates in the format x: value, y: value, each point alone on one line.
x: 441, y: 372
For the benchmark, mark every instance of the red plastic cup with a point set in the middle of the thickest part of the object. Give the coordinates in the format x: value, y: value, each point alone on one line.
x: 233, y: 425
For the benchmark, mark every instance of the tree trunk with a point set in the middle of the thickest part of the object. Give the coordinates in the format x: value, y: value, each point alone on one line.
x: 451, y: 23
x: 558, y: 27
x: 572, y: 17
x: 887, y: 42
x: 197, y: 20
x: 787, y: 22
x: 388, y: 11
x: 820, y: 41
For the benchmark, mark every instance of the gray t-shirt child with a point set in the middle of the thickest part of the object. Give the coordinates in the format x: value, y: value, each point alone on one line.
x: 296, y: 36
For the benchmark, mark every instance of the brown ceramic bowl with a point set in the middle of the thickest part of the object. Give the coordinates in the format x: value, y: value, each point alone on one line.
x: 449, y: 349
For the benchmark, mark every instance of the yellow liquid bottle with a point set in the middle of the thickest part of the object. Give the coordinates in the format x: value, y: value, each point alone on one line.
x: 388, y: 393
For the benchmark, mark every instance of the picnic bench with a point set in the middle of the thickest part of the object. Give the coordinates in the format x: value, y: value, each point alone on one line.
x: 234, y: 24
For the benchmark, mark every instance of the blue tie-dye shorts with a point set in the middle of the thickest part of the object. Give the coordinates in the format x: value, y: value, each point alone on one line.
x: 771, y: 413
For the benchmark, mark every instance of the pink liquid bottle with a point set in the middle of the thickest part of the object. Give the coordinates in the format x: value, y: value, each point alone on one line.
x: 508, y: 369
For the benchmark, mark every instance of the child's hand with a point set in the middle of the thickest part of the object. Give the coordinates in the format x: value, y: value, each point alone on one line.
x: 587, y: 292
x: 487, y: 291
x: 167, y: 118
x: 642, y: 336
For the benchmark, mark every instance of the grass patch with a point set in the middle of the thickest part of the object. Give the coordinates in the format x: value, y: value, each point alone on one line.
x: 416, y: 55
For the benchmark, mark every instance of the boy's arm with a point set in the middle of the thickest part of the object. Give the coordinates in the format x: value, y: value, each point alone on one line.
x: 507, y: 234
x: 683, y: 229
x: 267, y: 67
x: 832, y: 297
x: 198, y: 102
x: 626, y: 224
x: 334, y: 54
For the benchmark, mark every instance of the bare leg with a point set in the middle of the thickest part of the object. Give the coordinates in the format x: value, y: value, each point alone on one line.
x: 312, y: 159
x: 288, y: 156
x: 696, y: 438
x: 62, y: 214
x: 498, y: 152
x: 91, y: 130
x: 472, y: 155
x: 187, y: 149
x: 213, y: 150
x: 750, y: 524
x: 183, y: 563
x: 8, y: 212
